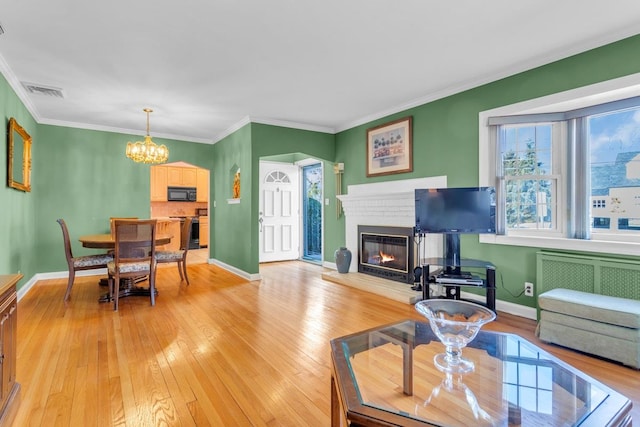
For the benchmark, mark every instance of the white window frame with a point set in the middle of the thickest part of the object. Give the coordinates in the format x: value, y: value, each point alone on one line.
x: 599, y: 93
x: 556, y: 174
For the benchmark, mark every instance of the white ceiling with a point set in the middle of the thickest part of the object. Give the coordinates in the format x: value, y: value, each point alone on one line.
x: 205, y: 66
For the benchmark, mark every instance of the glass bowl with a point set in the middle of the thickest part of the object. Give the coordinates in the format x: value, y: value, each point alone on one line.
x: 455, y: 323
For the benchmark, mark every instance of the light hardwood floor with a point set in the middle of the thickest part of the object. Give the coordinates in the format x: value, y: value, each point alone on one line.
x: 221, y: 352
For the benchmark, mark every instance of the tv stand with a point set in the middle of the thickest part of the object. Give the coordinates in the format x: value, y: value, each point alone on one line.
x: 452, y: 278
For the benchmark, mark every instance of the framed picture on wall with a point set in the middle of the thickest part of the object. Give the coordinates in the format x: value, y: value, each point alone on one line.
x: 389, y: 148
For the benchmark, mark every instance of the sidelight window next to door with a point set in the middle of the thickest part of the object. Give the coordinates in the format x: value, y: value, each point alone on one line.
x: 312, y: 212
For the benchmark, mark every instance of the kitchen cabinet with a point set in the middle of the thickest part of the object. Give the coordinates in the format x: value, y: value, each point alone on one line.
x: 204, y: 231
x: 182, y: 176
x: 9, y: 387
x: 202, y: 178
x: 159, y: 183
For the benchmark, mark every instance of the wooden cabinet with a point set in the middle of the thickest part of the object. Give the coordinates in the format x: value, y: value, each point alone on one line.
x: 202, y: 186
x: 9, y: 387
x: 182, y: 176
x: 179, y: 176
x: 159, y: 183
x: 204, y: 231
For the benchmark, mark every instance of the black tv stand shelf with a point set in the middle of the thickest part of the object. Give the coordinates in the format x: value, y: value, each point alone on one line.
x: 454, y: 277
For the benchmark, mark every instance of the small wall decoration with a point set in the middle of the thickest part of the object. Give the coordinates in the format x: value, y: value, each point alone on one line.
x: 389, y: 148
x: 236, y: 185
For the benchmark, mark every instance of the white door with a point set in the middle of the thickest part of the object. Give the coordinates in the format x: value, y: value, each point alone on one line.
x: 279, y: 212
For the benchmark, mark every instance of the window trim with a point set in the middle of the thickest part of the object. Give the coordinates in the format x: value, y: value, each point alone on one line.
x: 583, y: 97
x: 558, y: 130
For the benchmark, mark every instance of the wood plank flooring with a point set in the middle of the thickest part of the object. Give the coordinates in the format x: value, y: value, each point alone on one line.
x: 221, y: 352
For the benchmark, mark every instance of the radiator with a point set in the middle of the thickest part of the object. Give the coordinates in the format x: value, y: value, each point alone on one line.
x: 595, y: 274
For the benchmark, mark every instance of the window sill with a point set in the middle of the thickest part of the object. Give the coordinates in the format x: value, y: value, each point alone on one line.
x: 613, y: 248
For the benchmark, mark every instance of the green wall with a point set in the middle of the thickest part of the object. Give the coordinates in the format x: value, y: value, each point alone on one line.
x: 84, y: 177
x: 445, y: 137
x: 79, y: 175
x: 231, y: 230
x: 236, y: 225
x: 17, y: 209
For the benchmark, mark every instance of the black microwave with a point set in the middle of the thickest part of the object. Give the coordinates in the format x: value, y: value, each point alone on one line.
x: 181, y: 194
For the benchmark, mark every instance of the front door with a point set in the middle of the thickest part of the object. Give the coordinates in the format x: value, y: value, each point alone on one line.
x: 279, y: 212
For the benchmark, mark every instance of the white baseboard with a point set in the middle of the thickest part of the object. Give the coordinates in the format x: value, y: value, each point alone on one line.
x: 234, y: 270
x: 505, y: 306
x: 331, y: 265
x: 56, y: 275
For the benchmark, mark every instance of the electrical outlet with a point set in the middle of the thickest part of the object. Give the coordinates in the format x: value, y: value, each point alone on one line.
x: 528, y: 289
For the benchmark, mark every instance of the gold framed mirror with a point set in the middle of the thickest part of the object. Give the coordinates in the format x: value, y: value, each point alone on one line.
x: 19, y: 168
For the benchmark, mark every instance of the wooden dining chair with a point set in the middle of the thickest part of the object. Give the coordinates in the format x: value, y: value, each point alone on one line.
x: 86, y: 262
x: 134, y: 255
x: 179, y: 256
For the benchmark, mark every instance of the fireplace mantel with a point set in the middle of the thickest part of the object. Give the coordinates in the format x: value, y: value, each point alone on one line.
x: 389, y: 203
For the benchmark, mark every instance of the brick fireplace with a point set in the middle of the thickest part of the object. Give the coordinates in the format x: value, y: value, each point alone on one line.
x: 390, y: 203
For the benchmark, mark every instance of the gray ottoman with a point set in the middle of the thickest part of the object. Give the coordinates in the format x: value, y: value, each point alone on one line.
x: 605, y: 326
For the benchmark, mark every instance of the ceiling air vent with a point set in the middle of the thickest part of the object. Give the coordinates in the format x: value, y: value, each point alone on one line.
x: 43, y: 90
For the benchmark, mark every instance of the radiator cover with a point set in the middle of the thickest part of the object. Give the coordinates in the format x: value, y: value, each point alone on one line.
x: 616, y: 277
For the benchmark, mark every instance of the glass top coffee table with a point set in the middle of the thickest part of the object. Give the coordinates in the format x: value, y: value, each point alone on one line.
x: 386, y: 376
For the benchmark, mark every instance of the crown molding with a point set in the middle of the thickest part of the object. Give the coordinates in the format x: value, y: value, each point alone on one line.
x: 520, y: 67
x: 123, y: 130
x: 517, y: 68
x: 231, y: 129
x: 272, y: 122
x: 18, y: 89
x: 293, y: 125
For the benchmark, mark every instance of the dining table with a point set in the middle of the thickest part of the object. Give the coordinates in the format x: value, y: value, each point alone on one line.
x: 127, y: 286
x: 107, y: 241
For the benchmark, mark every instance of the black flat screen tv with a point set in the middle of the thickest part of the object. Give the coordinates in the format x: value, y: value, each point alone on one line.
x: 456, y: 210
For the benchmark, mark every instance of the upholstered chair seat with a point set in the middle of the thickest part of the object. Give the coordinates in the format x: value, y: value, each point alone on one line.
x: 131, y: 267
x: 169, y: 256
x: 97, y: 261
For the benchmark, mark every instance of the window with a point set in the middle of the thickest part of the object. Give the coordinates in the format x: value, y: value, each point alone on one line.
x: 312, y: 212
x: 614, y: 165
x: 529, y: 178
x: 567, y: 172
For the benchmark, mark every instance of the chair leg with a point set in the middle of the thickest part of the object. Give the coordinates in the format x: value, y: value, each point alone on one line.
x: 72, y: 276
x: 116, y: 291
x: 152, y: 286
x: 180, y: 271
x: 184, y: 267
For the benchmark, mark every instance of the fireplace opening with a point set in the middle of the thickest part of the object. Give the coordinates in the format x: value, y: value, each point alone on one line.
x: 386, y: 252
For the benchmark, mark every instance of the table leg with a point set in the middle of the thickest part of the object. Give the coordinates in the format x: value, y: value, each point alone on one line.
x: 407, y: 358
x: 407, y: 371
x: 128, y: 289
x: 336, y: 411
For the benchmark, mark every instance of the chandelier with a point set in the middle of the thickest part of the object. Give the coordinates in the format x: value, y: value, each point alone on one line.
x: 147, y: 151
